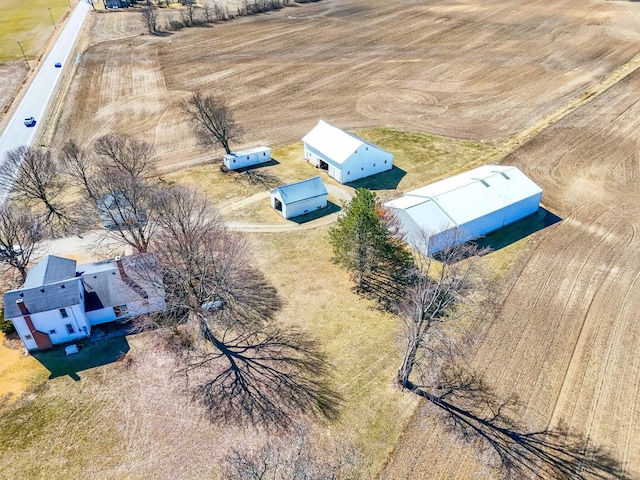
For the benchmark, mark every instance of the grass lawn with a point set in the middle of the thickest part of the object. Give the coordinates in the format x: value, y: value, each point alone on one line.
x: 132, y: 424
x: 28, y: 23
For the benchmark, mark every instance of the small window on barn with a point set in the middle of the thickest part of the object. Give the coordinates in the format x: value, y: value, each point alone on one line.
x: 70, y: 328
x: 374, y: 164
x: 52, y: 332
x: 28, y: 337
x: 234, y: 160
x: 348, y: 173
x: 361, y: 168
x: 247, y: 157
x: 63, y: 312
x: 264, y: 154
x: 366, y: 148
x: 385, y: 161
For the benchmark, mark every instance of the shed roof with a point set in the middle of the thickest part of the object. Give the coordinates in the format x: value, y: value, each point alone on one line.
x: 467, y: 196
x: 337, y: 144
x: 248, y: 151
x: 50, y: 269
x: 296, y: 192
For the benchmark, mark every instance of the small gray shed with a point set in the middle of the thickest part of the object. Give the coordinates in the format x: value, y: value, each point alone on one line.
x: 300, y: 198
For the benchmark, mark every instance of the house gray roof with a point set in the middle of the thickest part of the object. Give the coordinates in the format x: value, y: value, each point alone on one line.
x: 50, y: 269
x: 296, y: 192
x: 105, y: 287
x: 44, y: 297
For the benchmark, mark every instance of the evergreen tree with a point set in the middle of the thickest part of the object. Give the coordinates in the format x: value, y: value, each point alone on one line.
x: 366, y: 244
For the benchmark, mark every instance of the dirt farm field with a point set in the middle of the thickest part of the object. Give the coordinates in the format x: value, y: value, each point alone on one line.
x: 566, y: 339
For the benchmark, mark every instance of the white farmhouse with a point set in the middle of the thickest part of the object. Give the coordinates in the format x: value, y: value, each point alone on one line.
x: 60, y: 302
x: 247, y: 158
x: 300, y: 198
x: 344, y: 155
x: 466, y: 206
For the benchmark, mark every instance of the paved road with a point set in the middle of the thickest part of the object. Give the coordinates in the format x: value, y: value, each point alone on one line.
x: 40, y: 92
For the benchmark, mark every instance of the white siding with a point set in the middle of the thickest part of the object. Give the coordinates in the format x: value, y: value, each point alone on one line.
x: 365, y: 162
x: 53, y: 324
x: 304, y: 206
x: 247, y: 158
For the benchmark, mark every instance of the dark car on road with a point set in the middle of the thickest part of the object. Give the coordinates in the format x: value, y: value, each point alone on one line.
x: 29, y: 121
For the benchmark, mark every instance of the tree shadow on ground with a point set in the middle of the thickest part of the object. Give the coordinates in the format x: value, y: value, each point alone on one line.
x: 505, y: 236
x: 323, y: 212
x: 388, y: 180
x: 472, y: 411
x: 90, y: 355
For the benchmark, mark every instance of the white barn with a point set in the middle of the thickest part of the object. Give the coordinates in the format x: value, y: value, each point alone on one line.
x: 247, y: 158
x: 466, y: 206
x: 344, y: 155
x: 300, y: 198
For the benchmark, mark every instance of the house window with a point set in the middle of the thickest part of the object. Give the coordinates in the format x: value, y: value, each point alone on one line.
x: 52, y: 332
x: 28, y: 337
x: 70, y: 329
x: 63, y: 312
x: 120, y: 310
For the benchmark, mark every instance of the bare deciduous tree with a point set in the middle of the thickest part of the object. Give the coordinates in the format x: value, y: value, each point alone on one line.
x: 130, y: 156
x: 189, y: 12
x: 438, y: 291
x: 21, y: 232
x: 238, y: 364
x: 79, y: 167
x: 116, y: 190
x: 150, y: 16
x: 296, y: 455
x: 35, y: 177
x: 213, y: 122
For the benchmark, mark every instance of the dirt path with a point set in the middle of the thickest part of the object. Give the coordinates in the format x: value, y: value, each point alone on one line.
x: 562, y: 111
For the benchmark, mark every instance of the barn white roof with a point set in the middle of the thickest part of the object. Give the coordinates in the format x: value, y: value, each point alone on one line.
x: 296, y: 192
x: 337, y: 144
x: 467, y: 196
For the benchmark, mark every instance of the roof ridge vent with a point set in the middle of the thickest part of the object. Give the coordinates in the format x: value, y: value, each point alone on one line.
x: 484, y: 182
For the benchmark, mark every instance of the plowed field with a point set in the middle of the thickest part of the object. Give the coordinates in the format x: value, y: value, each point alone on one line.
x: 566, y: 341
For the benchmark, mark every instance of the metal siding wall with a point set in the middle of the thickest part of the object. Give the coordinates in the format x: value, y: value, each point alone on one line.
x: 310, y: 205
x: 522, y: 209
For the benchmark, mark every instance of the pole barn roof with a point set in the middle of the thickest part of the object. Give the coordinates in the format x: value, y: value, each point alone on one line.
x: 471, y: 196
x: 296, y: 192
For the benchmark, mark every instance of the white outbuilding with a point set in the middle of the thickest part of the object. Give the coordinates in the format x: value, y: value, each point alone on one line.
x: 466, y: 206
x: 344, y: 155
x: 247, y: 158
x: 300, y: 198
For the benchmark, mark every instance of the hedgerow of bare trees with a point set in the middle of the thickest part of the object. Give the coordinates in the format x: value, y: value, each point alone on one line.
x: 212, y: 120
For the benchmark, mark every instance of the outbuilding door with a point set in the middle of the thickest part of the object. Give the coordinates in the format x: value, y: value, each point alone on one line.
x: 278, y: 204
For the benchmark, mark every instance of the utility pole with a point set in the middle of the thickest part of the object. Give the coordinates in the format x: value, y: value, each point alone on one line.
x: 51, y: 15
x: 23, y: 54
